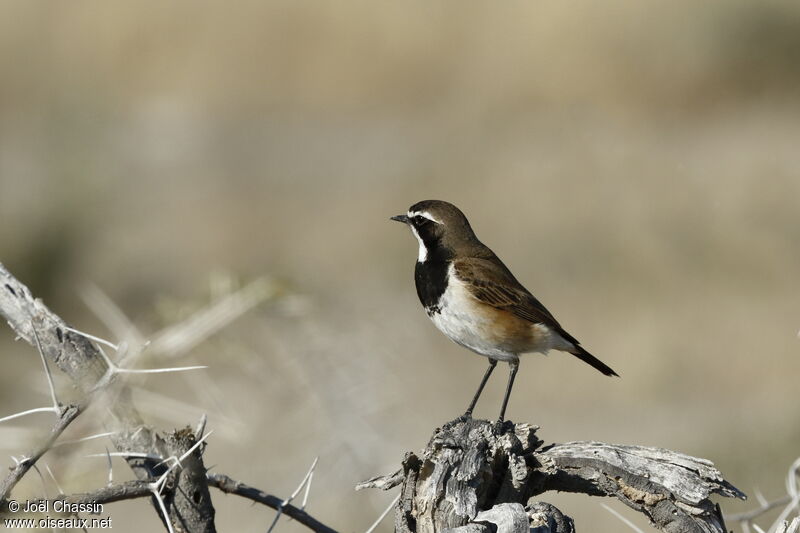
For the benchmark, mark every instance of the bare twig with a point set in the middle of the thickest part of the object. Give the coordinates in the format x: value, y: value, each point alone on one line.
x: 90, y: 370
x: 68, y: 414
x: 766, y: 506
x: 81, y: 357
x: 127, y: 490
x: 382, y: 482
x: 56, y: 407
x: 284, y: 503
x: 230, y: 486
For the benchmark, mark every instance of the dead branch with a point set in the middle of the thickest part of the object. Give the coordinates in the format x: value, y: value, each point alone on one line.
x: 128, y: 490
x: 230, y: 486
x: 187, y: 499
x: 468, y: 467
x: 169, y: 468
x: 65, y: 418
x: 747, y: 516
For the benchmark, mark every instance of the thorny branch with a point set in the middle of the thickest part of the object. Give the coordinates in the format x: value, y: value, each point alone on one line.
x: 230, y: 486
x: 92, y: 372
x: 65, y: 418
x: 170, y: 468
x: 128, y: 490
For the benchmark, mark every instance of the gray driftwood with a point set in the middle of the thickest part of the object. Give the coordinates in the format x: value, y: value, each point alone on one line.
x: 469, y: 468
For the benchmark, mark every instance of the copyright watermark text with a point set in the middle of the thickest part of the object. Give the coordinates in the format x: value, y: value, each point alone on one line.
x: 57, y: 507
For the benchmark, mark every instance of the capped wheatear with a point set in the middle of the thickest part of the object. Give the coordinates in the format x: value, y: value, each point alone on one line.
x: 472, y: 297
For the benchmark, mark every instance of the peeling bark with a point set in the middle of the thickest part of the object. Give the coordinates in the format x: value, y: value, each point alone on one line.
x: 468, y: 467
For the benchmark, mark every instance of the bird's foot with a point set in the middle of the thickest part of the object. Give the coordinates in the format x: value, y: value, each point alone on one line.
x: 501, y: 427
x: 464, y: 418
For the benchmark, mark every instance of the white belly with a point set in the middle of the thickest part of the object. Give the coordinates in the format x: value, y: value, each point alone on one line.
x: 474, y: 330
x: 470, y: 330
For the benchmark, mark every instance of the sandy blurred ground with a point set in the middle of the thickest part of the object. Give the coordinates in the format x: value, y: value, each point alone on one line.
x: 636, y: 165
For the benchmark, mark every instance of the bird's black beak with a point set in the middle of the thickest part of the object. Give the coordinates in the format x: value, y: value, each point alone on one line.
x: 401, y: 218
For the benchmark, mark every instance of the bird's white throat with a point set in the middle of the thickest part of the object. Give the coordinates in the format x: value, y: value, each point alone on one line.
x: 423, y: 251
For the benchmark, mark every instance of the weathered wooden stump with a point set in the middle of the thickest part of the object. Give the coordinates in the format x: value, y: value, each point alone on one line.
x: 469, y: 468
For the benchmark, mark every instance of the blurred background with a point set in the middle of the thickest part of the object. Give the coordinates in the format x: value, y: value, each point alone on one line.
x: 635, y: 164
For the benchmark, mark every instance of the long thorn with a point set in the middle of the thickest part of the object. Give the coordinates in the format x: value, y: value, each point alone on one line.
x: 55, y: 481
x: 110, y: 468
x: 275, y: 520
x: 41, y: 478
x: 158, y: 370
x: 127, y: 454
x: 308, y: 489
x: 56, y: 405
x: 622, y: 518
x: 194, y: 446
x: 288, y: 500
x: 201, y: 426
x: 302, y: 483
x: 84, y: 439
x: 383, y: 515
x: 30, y: 411
x: 93, y: 338
x: 157, y: 494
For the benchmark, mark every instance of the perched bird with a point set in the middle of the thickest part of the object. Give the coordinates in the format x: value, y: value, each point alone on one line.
x: 472, y: 297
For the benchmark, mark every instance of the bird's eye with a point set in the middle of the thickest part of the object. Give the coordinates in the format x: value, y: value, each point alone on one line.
x: 420, y: 220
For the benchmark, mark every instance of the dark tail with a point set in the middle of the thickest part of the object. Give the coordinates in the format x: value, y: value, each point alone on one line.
x: 586, y: 357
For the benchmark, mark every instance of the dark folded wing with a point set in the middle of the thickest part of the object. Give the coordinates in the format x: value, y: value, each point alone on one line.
x: 493, y: 284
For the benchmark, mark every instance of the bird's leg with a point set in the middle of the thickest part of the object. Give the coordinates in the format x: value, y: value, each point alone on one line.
x: 492, y: 364
x: 513, y: 367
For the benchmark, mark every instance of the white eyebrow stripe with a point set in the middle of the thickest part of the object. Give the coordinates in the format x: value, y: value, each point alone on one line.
x: 425, y: 214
